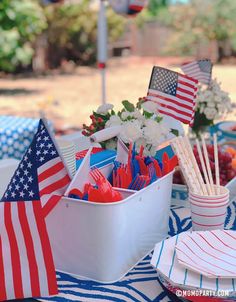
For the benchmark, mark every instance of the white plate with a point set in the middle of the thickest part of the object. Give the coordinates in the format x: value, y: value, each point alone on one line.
x: 211, y: 253
x: 165, y: 261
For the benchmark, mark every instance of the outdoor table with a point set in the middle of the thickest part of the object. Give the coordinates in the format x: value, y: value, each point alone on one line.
x: 16, y: 134
x: 141, y: 283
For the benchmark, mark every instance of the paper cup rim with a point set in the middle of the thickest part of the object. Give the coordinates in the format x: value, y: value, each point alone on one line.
x: 211, y: 196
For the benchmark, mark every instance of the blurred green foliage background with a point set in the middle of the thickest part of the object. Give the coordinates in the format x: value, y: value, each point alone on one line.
x: 70, y: 30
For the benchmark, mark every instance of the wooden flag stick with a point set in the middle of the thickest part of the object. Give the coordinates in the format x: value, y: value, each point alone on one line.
x: 207, y: 164
x: 216, y: 157
x: 203, y: 167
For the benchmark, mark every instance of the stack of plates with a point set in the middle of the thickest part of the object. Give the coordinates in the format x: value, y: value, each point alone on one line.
x: 203, y: 261
x: 68, y: 152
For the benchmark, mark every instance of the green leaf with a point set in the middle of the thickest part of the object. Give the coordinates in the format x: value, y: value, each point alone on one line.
x: 99, y: 115
x: 139, y: 103
x: 175, y: 132
x: 147, y: 114
x: 158, y: 119
x: 128, y: 106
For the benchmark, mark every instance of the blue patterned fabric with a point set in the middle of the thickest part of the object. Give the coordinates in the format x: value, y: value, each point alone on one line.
x: 16, y: 134
x: 140, y: 284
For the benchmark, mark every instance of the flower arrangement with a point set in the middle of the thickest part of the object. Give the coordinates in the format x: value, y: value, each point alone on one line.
x: 140, y: 125
x: 212, y: 103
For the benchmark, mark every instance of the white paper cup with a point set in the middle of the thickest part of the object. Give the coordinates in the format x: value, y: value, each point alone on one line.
x: 68, y: 152
x: 209, y: 212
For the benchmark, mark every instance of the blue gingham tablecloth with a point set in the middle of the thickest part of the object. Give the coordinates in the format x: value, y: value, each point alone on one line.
x: 16, y: 134
x: 141, y: 283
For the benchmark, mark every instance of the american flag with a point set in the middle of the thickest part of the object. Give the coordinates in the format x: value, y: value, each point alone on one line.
x: 200, y: 70
x: 26, y: 262
x: 173, y: 93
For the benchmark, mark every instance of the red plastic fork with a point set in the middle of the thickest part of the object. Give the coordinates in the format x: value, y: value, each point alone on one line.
x: 165, y: 163
x: 105, y: 187
x: 142, y: 165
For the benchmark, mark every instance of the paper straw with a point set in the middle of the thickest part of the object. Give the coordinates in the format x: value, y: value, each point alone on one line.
x: 190, y: 164
x: 195, y: 166
x: 216, y: 157
x: 183, y: 165
x: 203, y: 167
x: 207, y: 163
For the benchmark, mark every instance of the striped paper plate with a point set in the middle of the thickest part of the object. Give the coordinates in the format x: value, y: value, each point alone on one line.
x: 211, y: 253
x: 165, y: 261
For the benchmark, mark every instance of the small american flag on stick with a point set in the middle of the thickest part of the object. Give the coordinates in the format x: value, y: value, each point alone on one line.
x: 173, y: 93
x: 200, y: 70
x: 26, y: 262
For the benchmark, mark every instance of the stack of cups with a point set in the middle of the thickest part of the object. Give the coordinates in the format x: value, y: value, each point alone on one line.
x: 209, y: 212
x: 68, y: 152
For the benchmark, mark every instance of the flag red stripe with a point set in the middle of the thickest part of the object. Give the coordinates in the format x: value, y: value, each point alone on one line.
x: 171, y: 100
x: 55, y: 186
x: 186, y: 84
x: 186, y: 91
x: 174, y: 116
x: 46, y: 248
x: 33, y: 267
x: 193, y: 68
x: 3, y: 294
x: 52, y: 202
x: 51, y: 171
x: 181, y: 97
x: 15, y: 256
x: 189, y: 78
x: 176, y: 110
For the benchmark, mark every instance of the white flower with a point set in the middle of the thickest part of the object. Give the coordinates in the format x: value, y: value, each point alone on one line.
x: 103, y: 109
x: 131, y: 131
x: 150, y: 107
x: 125, y: 115
x: 154, y: 132
x: 210, y: 113
x: 213, y: 101
x: 114, y: 120
x: 211, y: 104
x: 137, y: 114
